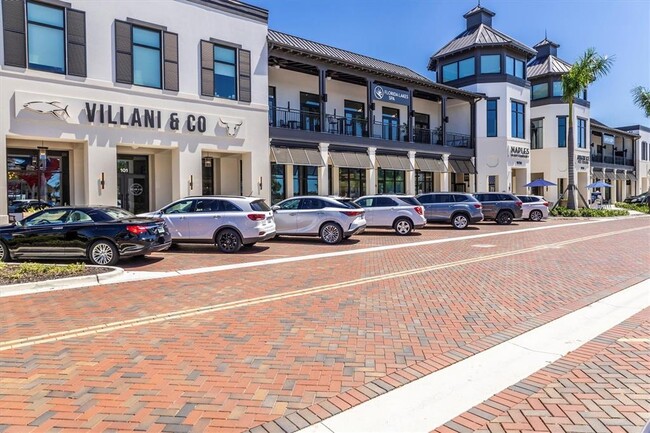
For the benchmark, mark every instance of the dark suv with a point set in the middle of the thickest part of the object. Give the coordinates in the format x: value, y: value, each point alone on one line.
x: 455, y: 208
x: 501, y: 207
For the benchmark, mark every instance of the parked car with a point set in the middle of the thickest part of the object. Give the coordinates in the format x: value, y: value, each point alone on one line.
x: 102, y: 235
x: 638, y: 199
x: 534, y: 207
x: 402, y: 213
x: 229, y: 222
x: 455, y: 208
x: 501, y: 207
x: 328, y: 218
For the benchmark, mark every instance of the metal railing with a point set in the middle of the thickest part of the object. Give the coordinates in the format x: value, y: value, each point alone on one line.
x: 455, y: 139
x: 427, y: 136
x: 295, y: 119
x: 615, y: 160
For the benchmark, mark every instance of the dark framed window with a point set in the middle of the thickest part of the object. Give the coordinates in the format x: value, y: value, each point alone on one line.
x: 461, y: 69
x: 424, y: 181
x: 491, y: 64
x: 561, y: 131
x: 352, y: 182
x: 517, y: 127
x: 515, y: 67
x: 390, y: 181
x: 557, y: 89
x: 207, y: 175
x: 225, y: 72
x: 278, y: 190
x: 390, y: 123
x: 492, y: 118
x: 355, y: 114
x: 272, y: 105
x: 540, y: 91
x: 46, y: 37
x: 147, y: 57
x: 582, y: 133
x: 450, y: 72
x: 537, y: 134
x: 309, y: 111
x: 305, y: 180
x: 492, y: 186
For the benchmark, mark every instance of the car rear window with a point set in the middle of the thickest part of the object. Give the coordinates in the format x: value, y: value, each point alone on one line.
x: 348, y: 204
x: 260, y: 206
x: 410, y: 200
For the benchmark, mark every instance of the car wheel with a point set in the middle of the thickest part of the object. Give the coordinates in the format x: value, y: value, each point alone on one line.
x: 4, y: 252
x: 504, y: 218
x: 331, y: 233
x: 103, y: 253
x: 535, y: 215
x: 228, y: 241
x: 460, y: 221
x: 403, y: 226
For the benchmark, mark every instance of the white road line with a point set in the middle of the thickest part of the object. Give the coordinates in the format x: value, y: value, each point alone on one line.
x: 431, y: 401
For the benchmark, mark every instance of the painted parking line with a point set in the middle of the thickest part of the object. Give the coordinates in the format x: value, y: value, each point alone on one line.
x: 175, y: 315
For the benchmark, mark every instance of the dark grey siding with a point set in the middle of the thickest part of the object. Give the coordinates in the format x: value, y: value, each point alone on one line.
x: 170, y: 46
x: 207, y: 68
x: 76, y: 48
x: 244, y: 75
x: 13, y: 19
x: 123, y: 53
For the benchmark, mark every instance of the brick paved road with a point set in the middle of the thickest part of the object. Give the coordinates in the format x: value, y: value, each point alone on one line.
x: 375, y: 321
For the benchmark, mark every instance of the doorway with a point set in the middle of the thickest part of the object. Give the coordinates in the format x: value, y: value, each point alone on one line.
x: 133, y: 183
x: 37, y: 175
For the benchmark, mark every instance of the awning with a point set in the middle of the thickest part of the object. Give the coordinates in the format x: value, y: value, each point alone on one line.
x: 610, y: 175
x: 296, y: 156
x: 631, y: 176
x: 620, y: 176
x: 430, y: 164
x: 394, y: 162
x: 350, y: 160
x: 461, y: 166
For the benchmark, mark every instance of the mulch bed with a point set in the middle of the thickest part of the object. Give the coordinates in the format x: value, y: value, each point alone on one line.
x: 5, y: 280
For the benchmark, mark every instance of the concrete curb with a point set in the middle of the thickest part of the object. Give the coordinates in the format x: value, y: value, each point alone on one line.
x: 61, y: 283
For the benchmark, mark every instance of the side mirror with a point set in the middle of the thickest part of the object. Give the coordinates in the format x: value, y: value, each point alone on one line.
x: 275, y: 207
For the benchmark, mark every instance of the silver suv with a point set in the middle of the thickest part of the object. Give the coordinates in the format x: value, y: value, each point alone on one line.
x: 229, y: 222
x: 455, y: 208
x: 501, y: 207
x: 330, y: 219
x: 402, y: 213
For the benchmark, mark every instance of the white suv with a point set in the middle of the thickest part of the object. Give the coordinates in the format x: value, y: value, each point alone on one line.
x: 402, y: 213
x: 229, y: 222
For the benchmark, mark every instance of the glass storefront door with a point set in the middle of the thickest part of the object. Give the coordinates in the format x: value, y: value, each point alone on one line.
x: 37, y: 175
x: 352, y: 182
x: 133, y: 183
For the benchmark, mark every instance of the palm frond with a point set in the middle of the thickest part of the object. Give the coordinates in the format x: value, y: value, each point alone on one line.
x: 641, y: 98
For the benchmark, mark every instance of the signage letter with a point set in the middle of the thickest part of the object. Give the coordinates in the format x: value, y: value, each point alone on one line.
x: 201, y: 124
x: 110, y: 115
x: 191, y: 126
x: 90, y: 114
x: 173, y: 121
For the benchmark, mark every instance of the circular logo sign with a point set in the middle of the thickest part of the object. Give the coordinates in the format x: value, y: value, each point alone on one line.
x: 136, y: 189
x: 379, y: 92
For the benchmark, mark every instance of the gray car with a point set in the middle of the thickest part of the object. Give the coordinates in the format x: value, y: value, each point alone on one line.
x: 229, y: 222
x: 455, y: 208
x: 501, y: 207
x: 330, y: 219
x: 402, y: 213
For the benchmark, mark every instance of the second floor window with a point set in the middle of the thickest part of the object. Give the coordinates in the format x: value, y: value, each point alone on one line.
x: 557, y: 89
x: 537, y: 134
x: 491, y: 64
x: 225, y: 72
x: 561, y: 131
x: 146, y: 57
x: 457, y: 70
x: 45, y: 37
x: 514, y: 67
x: 582, y: 133
x: 540, y: 91
x: 491, y: 117
x: 517, y: 120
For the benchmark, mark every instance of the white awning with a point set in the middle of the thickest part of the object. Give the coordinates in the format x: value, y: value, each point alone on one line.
x: 296, y: 156
x: 631, y: 176
x: 610, y: 175
x: 394, y: 162
x: 350, y: 160
x: 461, y: 166
x: 620, y: 176
x: 433, y: 165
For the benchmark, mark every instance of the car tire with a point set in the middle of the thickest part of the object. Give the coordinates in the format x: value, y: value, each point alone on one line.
x: 331, y: 233
x: 459, y: 221
x: 228, y: 241
x: 535, y: 215
x: 103, y: 253
x: 504, y: 218
x: 403, y: 226
x: 4, y: 252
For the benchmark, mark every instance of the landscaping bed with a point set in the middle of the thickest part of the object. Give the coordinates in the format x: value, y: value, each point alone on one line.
x: 18, y: 273
x: 586, y: 212
x: 643, y: 208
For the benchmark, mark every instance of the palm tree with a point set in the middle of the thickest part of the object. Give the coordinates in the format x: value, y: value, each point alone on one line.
x: 641, y: 97
x: 589, y: 67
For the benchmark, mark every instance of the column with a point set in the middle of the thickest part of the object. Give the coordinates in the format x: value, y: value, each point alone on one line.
x: 443, y: 120
x: 336, y: 189
x: 444, y: 177
x: 411, y: 114
x: 371, y: 177
x: 4, y: 214
x: 371, y: 108
x: 473, y: 177
x: 472, y: 125
x: 624, y: 183
x: 323, y: 172
x: 613, y: 189
x: 288, y: 180
x: 410, y: 175
x: 322, y: 90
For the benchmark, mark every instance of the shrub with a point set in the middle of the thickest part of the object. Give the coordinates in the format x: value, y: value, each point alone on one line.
x: 40, y: 271
x: 634, y: 206
x: 586, y: 212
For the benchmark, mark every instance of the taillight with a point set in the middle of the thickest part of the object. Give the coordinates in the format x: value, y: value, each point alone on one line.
x: 546, y: 203
x: 256, y: 216
x: 519, y: 203
x: 352, y: 213
x: 419, y: 210
x: 137, y: 230
x: 478, y: 205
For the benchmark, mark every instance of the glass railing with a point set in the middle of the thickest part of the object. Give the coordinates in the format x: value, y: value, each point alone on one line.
x: 427, y: 136
x: 614, y: 160
x: 455, y: 139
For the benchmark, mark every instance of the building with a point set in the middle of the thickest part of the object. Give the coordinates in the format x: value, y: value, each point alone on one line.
x: 124, y: 103
x: 641, y: 176
x: 484, y: 60
x: 346, y: 124
x: 549, y: 125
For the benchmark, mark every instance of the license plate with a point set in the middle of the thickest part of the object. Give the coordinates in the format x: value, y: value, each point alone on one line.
x: 161, y: 229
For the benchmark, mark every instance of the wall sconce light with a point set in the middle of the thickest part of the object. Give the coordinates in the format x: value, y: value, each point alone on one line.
x: 324, y: 97
x: 259, y: 183
x: 446, y: 119
x: 191, y: 182
x: 102, y: 182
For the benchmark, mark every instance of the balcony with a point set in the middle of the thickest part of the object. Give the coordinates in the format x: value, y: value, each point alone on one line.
x: 612, y: 160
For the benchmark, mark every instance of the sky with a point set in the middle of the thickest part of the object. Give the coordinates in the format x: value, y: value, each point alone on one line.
x: 408, y: 32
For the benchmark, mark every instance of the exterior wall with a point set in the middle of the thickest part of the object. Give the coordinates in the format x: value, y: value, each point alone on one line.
x: 175, y: 164
x: 289, y: 84
x: 431, y: 108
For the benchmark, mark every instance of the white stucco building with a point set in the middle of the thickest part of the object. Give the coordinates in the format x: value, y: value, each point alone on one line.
x: 641, y: 157
x: 124, y: 103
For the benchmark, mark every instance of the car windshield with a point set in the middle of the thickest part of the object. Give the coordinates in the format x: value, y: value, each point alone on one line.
x: 260, y: 206
x: 410, y: 200
x: 117, y: 213
x: 348, y: 203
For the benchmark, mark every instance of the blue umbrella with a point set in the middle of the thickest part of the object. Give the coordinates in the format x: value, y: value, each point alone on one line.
x: 599, y: 184
x: 539, y: 182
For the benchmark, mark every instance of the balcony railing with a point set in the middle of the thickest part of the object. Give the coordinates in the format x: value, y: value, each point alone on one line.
x: 427, y: 136
x: 455, y: 139
x: 614, y: 160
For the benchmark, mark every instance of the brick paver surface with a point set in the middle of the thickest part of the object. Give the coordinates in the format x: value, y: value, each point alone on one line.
x: 604, y: 386
x: 290, y: 362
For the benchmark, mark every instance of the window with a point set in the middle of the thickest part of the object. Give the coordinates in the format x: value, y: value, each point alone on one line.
x: 561, y: 131
x: 383, y: 202
x: 179, y: 207
x: 557, y: 89
x: 305, y: 180
x: 491, y: 64
x: 312, y: 203
x: 450, y: 72
x: 424, y: 181
x: 352, y: 182
x: 461, y: 69
x: 517, y: 120
x: 540, y: 91
x: 272, y: 114
x: 390, y: 181
x: 46, y: 38
x: 207, y: 206
x: 225, y: 72
x: 146, y: 57
x: 355, y: 114
x: 492, y: 118
x: 78, y: 216
x: 53, y: 216
x: 290, y: 204
x: 582, y: 133
x: 514, y: 67
x: 537, y: 134
x: 644, y: 151
x: 309, y: 111
x: 277, y: 183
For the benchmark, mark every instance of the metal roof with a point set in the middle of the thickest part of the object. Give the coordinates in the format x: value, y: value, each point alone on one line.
x: 600, y: 125
x: 547, y: 65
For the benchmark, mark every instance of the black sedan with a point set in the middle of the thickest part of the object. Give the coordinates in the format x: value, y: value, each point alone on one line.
x: 102, y: 235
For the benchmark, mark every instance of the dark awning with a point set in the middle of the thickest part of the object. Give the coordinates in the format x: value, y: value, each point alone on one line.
x: 461, y: 166
x: 433, y: 165
x: 610, y: 175
x: 350, y: 160
x: 394, y: 162
x: 296, y: 156
x: 631, y: 176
